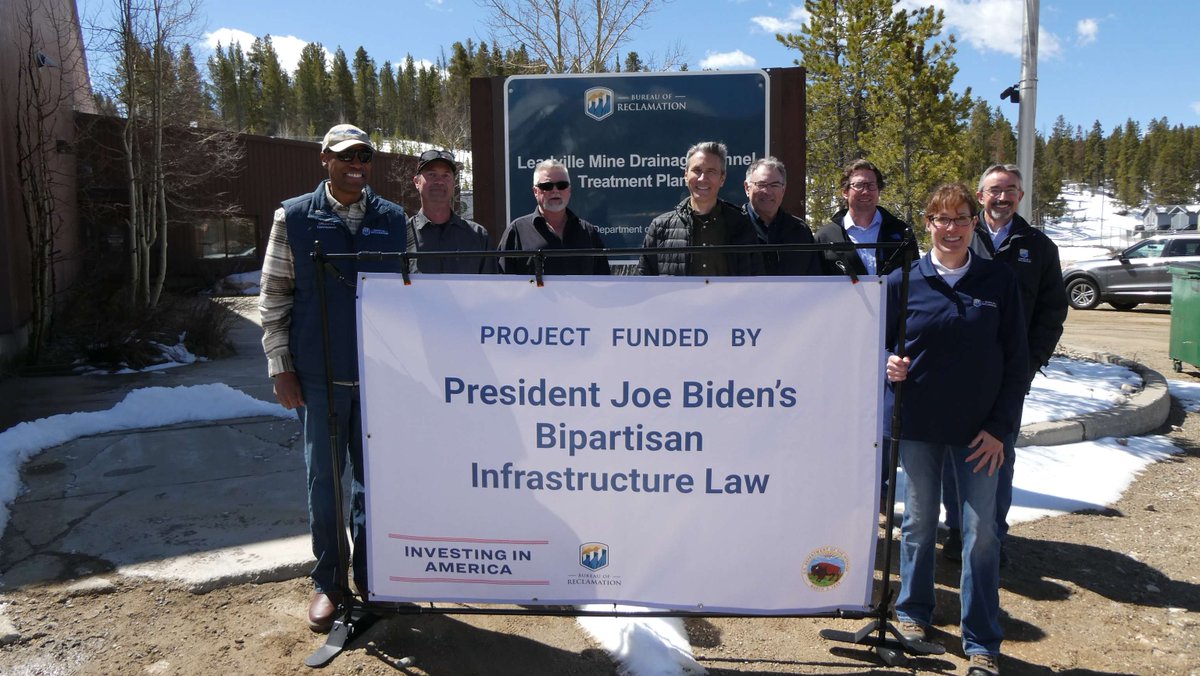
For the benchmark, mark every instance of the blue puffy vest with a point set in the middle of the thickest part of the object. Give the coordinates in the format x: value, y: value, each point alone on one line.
x: 311, y: 219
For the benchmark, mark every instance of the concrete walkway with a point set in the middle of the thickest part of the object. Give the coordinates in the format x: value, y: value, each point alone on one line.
x: 204, y: 505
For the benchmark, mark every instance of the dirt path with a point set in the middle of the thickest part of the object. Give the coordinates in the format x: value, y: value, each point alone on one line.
x: 1116, y: 591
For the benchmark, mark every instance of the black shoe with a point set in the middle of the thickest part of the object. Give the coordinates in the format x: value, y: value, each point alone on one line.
x: 952, y: 547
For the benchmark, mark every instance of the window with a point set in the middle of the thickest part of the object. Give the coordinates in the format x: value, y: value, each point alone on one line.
x: 1184, y: 247
x: 1151, y: 248
x: 226, y: 237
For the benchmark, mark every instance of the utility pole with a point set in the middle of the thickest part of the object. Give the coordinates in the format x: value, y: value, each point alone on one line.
x: 1027, y: 122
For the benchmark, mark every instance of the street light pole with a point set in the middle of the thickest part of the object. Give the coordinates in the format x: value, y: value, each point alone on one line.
x: 1027, y: 122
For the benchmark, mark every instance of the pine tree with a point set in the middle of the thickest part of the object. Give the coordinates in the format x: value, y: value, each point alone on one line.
x: 1046, y: 201
x: 849, y: 48
x: 226, y: 67
x: 366, y: 91
x: 192, y: 103
x: 269, y: 106
x: 345, y: 108
x: 389, y: 99
x: 1093, y: 157
x: 914, y: 130
x: 407, y: 93
x: 313, y: 92
x: 1169, y: 174
x: 1129, y: 179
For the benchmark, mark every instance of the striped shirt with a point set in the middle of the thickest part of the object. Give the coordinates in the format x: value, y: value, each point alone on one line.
x: 278, y: 285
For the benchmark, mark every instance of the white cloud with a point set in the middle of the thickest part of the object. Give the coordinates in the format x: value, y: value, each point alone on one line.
x: 226, y: 37
x: 734, y: 59
x: 990, y: 25
x: 287, y: 47
x: 792, y: 23
x: 1195, y: 106
x: 1087, y: 30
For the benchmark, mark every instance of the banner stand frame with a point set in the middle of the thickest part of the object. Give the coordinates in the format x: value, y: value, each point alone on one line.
x: 891, y: 650
x: 356, y: 615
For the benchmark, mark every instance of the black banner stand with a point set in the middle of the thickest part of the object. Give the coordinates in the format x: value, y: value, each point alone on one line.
x: 356, y: 615
x: 891, y: 650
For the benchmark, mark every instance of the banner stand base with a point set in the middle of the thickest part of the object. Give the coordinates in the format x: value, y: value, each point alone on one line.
x: 352, y: 624
x: 891, y: 650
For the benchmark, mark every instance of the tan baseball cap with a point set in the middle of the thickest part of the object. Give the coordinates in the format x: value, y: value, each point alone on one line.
x: 343, y: 136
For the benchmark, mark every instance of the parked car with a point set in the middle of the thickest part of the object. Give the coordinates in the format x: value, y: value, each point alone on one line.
x: 1138, y: 274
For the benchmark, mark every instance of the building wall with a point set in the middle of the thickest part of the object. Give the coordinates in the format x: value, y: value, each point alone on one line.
x: 28, y: 28
x: 271, y: 171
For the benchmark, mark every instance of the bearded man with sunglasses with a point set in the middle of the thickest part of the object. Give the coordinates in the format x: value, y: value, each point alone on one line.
x: 552, y: 226
x: 344, y: 215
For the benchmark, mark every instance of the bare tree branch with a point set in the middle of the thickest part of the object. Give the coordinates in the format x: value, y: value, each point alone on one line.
x: 568, y: 35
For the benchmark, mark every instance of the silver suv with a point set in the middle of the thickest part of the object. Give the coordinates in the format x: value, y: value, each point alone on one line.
x: 1138, y: 274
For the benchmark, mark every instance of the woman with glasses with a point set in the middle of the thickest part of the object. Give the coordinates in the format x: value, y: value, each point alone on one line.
x: 963, y: 364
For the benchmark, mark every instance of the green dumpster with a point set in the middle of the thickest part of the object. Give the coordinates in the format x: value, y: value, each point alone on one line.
x: 1185, y: 314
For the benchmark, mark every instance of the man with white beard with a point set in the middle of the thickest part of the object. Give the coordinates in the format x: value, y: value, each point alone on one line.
x: 552, y: 226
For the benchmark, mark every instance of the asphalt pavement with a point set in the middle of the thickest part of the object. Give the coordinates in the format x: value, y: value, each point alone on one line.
x: 210, y: 504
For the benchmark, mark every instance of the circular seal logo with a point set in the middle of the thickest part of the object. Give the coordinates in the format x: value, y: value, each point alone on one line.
x: 825, y: 567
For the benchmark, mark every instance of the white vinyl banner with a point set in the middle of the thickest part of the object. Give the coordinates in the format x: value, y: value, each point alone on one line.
x: 683, y: 443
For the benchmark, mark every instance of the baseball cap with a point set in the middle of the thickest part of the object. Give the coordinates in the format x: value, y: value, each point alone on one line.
x: 343, y: 136
x: 434, y: 156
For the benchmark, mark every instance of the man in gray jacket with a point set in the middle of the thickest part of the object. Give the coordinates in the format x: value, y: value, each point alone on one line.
x: 437, y: 228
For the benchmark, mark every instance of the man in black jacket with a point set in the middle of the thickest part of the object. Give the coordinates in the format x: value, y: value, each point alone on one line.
x: 766, y: 183
x: 863, y: 221
x: 703, y: 219
x: 1003, y: 235
x: 552, y: 226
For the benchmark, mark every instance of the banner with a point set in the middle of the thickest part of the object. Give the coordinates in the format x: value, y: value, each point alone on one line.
x: 683, y: 443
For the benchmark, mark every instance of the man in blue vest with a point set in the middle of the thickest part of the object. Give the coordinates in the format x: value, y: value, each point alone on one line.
x: 345, y: 216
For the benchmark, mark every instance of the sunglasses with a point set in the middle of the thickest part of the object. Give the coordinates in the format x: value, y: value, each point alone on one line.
x: 545, y: 187
x: 364, y: 155
x: 430, y: 155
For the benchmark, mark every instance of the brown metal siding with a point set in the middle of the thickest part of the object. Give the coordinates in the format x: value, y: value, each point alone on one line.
x: 272, y: 170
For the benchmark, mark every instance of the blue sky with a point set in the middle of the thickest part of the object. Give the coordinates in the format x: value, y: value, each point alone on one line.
x: 1105, y: 60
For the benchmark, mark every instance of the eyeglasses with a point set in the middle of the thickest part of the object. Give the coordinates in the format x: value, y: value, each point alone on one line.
x: 764, y: 185
x: 548, y: 185
x: 947, y: 221
x: 1000, y: 192
x: 864, y: 187
x: 364, y: 155
x: 430, y: 155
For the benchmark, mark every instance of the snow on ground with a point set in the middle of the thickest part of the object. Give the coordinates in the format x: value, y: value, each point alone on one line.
x: 1188, y: 394
x: 240, y: 284
x: 1093, y: 226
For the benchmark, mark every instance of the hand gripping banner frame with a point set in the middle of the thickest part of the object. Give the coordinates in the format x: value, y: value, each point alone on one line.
x: 357, y: 614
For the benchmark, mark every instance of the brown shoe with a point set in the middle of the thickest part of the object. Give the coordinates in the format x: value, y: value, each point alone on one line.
x: 321, y: 611
x: 913, y: 631
x: 983, y: 664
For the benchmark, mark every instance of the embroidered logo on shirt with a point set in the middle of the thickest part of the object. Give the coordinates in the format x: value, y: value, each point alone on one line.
x: 1023, y: 256
x: 979, y: 302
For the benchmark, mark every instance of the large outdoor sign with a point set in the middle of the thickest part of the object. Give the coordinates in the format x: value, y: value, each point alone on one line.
x: 624, y: 137
x: 671, y: 442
